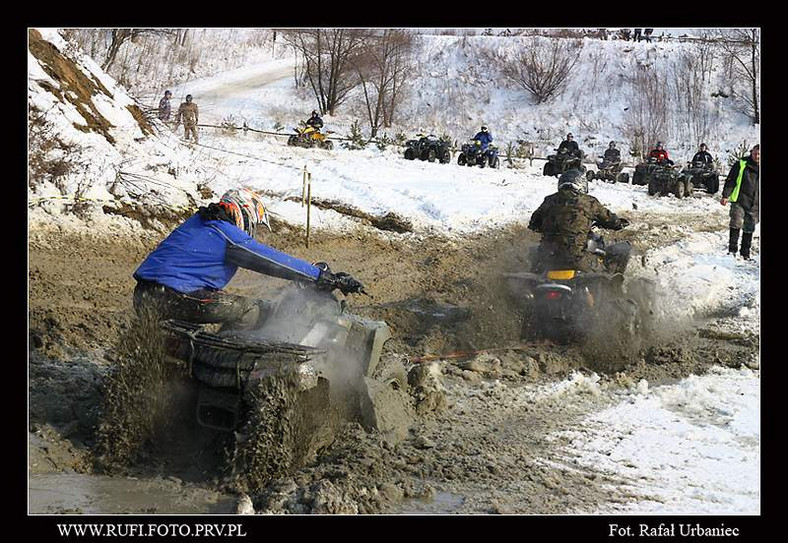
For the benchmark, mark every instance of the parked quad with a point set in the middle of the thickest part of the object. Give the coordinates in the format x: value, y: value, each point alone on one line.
x: 429, y: 147
x: 608, y: 170
x: 472, y: 154
x: 308, y: 136
x: 702, y: 176
x: 662, y: 179
x: 561, y: 162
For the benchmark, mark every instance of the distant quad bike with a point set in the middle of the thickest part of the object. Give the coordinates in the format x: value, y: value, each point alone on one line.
x: 308, y: 136
x: 429, y: 148
x: 473, y: 155
x: 608, y: 171
x: 702, y: 176
x: 561, y: 162
x: 273, y: 388
x: 664, y: 179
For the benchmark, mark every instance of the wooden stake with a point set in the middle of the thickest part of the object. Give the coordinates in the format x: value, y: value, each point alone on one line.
x: 308, y: 205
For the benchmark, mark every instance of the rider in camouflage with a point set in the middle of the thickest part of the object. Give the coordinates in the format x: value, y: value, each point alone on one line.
x: 565, y: 218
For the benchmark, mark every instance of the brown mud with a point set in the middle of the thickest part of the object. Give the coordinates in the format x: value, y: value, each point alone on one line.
x: 476, y: 443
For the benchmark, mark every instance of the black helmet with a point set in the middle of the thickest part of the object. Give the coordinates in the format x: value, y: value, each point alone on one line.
x: 573, y: 180
x: 612, y: 144
x: 703, y: 146
x: 314, y: 113
x: 188, y: 97
x: 659, y: 144
x: 569, y: 135
x: 484, y: 128
x: 167, y: 93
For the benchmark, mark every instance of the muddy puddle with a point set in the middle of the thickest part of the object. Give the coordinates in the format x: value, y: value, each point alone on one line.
x: 78, y: 493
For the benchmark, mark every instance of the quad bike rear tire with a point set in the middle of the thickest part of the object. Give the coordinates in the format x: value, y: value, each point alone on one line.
x: 292, y: 140
x: 623, y: 177
x: 678, y: 190
x: 328, y: 145
x: 462, y: 160
x: 590, y: 175
x: 547, y: 170
x: 431, y: 155
x: 652, y: 190
x: 410, y: 154
x: 445, y: 157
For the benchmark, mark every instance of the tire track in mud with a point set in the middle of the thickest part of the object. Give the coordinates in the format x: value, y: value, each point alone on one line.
x: 477, y: 442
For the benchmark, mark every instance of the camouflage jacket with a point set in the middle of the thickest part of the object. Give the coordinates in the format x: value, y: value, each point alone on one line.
x: 188, y: 113
x: 564, y: 219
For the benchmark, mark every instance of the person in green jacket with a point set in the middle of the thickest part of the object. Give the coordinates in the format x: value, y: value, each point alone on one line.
x: 742, y: 191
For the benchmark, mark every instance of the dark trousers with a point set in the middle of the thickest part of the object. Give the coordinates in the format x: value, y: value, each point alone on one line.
x: 202, y: 306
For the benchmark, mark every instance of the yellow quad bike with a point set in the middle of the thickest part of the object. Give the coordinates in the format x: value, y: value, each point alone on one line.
x: 309, y: 136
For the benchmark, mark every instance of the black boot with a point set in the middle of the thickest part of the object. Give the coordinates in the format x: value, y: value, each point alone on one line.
x: 746, y: 242
x: 733, y: 241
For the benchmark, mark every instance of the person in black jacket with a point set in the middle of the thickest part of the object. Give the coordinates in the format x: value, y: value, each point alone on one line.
x: 703, y: 156
x: 742, y: 191
x: 612, y: 154
x: 570, y: 145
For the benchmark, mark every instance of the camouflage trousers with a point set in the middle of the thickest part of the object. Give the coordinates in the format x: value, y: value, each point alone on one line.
x: 742, y: 218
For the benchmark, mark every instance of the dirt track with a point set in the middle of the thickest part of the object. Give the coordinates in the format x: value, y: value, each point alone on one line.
x: 477, y: 443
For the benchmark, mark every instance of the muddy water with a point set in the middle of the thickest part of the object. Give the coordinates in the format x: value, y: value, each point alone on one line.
x: 77, y: 493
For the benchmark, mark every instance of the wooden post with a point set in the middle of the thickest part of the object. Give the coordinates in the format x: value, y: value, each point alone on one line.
x: 308, y: 205
x: 303, y: 188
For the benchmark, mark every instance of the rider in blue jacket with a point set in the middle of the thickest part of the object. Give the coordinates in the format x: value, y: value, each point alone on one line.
x: 184, y: 276
x: 484, y: 136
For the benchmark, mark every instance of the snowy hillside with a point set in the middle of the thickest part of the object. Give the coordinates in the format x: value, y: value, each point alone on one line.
x: 91, y: 147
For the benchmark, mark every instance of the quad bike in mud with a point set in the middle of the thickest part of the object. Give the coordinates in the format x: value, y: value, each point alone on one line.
x: 429, y: 148
x: 309, y: 136
x: 472, y: 154
x: 562, y: 162
x: 664, y: 179
x: 567, y: 305
x: 702, y: 176
x: 609, y: 171
x: 276, y: 388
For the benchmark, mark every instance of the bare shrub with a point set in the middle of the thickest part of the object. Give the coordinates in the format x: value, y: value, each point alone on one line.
x: 542, y: 66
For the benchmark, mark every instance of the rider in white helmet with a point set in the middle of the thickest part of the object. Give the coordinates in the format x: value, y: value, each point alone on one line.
x: 185, y: 275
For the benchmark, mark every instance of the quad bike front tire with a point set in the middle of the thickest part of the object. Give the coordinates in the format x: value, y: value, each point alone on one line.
x: 410, y: 154
x: 431, y: 155
x: 494, y: 162
x: 623, y: 177
x: 328, y: 145
x: 589, y: 175
x: 713, y: 184
x: 547, y: 170
x: 445, y: 157
x: 292, y: 140
x: 652, y: 189
x: 462, y: 160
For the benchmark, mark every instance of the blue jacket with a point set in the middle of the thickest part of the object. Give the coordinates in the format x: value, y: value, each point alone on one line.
x: 207, y: 253
x: 484, y: 137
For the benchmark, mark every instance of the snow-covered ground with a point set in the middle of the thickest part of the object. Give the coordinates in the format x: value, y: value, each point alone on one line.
x: 692, y: 446
x: 689, y: 448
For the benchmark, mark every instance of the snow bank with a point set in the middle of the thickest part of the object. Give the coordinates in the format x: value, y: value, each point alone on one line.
x: 688, y: 448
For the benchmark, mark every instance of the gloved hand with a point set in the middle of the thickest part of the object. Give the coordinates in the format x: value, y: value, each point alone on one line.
x: 327, y: 280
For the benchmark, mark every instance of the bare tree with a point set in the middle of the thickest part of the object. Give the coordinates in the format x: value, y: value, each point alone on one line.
x: 383, y: 65
x: 542, y: 66
x: 692, y: 77
x: 742, y: 47
x: 119, y: 36
x: 329, y: 56
x: 648, y: 109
